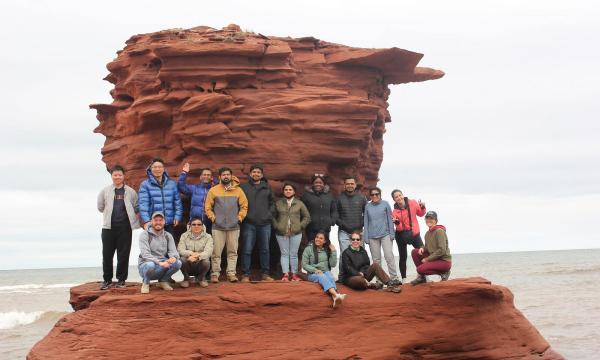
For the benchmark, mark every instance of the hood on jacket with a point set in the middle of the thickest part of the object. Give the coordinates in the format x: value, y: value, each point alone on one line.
x: 189, y: 232
x: 235, y: 182
x: 435, y: 227
x: 309, y: 189
x: 151, y: 177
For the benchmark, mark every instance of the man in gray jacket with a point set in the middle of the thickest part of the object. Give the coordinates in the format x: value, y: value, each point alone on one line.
x: 159, y: 258
x: 118, y: 204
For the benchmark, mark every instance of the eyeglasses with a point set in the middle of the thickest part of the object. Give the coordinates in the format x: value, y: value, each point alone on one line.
x: 355, y: 239
x: 320, y: 175
x: 375, y: 194
x: 196, y: 224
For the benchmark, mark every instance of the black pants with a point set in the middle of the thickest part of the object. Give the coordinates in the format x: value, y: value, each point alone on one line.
x: 197, y: 269
x: 403, y: 238
x: 118, y: 238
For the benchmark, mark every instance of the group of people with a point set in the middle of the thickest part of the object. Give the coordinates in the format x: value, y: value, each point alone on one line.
x: 225, y: 213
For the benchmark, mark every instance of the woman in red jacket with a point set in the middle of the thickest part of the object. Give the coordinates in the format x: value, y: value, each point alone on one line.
x: 407, y: 227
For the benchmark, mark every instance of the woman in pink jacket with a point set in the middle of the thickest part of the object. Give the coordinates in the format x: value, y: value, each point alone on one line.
x: 407, y: 227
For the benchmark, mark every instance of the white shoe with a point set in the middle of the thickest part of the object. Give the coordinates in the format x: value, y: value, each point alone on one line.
x: 165, y: 285
x: 338, y: 299
x: 145, y: 289
x: 404, y: 280
x: 184, y: 284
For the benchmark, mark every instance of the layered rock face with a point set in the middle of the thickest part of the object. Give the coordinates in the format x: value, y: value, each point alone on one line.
x: 232, y: 98
x: 457, y: 319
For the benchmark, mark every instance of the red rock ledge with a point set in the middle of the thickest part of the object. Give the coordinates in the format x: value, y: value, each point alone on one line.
x: 457, y: 319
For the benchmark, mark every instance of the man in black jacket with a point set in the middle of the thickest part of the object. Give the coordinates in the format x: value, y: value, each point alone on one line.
x: 321, y: 206
x: 257, y: 224
x: 351, y: 207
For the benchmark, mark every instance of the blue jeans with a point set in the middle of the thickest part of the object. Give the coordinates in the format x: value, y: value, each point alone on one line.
x: 344, y: 239
x: 151, y: 271
x: 288, y: 245
x: 251, y: 234
x: 326, y: 280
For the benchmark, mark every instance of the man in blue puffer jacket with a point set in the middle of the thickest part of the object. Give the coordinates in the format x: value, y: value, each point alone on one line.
x: 159, y: 193
x: 197, y: 193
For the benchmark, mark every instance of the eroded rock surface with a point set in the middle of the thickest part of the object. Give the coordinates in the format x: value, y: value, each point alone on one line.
x: 457, y: 319
x: 233, y: 98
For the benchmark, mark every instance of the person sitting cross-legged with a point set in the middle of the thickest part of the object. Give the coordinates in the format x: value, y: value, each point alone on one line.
x: 317, y: 259
x: 358, y: 270
x: 195, y: 247
x: 158, y: 258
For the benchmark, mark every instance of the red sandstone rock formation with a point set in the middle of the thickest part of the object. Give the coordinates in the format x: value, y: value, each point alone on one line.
x: 457, y: 319
x: 228, y: 97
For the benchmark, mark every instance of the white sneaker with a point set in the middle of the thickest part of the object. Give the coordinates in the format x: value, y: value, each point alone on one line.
x: 184, y: 284
x: 165, y: 285
x: 145, y: 289
x: 404, y: 281
x: 338, y: 299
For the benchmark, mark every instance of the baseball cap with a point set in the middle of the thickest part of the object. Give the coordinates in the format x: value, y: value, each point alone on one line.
x: 431, y: 214
x: 158, y: 213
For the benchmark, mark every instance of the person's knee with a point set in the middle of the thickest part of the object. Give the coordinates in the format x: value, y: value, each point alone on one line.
x: 176, y: 265
x: 415, y: 252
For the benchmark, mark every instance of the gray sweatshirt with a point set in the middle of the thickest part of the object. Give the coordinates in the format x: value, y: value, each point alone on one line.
x: 378, y: 221
x: 156, y: 247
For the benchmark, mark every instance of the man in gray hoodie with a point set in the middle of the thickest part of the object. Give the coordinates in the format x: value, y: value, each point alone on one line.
x: 159, y: 258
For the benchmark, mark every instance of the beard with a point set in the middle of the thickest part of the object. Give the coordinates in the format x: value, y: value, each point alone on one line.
x: 225, y: 181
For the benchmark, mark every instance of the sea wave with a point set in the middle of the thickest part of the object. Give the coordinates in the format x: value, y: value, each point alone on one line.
x: 27, y: 288
x: 13, y: 319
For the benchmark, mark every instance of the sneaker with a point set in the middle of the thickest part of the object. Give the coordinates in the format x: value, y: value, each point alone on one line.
x: 445, y: 275
x: 214, y: 279
x: 419, y: 280
x: 184, y: 284
x: 267, y: 278
x: 120, y: 284
x: 232, y: 278
x: 165, y: 285
x: 204, y: 283
x: 145, y: 289
x: 338, y: 299
x: 245, y: 279
x: 295, y: 277
x: 285, y: 277
x: 394, y: 289
x: 106, y: 285
x: 395, y: 283
x: 404, y: 280
x: 378, y: 285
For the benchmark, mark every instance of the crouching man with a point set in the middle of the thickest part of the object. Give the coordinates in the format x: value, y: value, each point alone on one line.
x: 159, y: 258
x: 195, y: 247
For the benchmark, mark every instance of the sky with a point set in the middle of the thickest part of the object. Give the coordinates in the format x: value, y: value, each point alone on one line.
x: 504, y: 147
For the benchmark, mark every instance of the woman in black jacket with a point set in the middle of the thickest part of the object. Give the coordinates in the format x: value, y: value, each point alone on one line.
x: 358, y: 270
x: 321, y: 205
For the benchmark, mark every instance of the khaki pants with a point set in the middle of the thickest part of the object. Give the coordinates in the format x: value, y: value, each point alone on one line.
x: 228, y: 239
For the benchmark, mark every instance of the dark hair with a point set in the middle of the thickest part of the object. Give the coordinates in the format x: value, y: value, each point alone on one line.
x: 374, y: 188
x: 325, y: 246
x: 223, y: 169
x: 317, y: 176
x: 256, y: 166
x: 357, y: 232
x: 117, y: 168
x: 157, y: 159
x: 288, y: 184
x: 195, y: 218
x: 349, y: 177
x: 395, y: 191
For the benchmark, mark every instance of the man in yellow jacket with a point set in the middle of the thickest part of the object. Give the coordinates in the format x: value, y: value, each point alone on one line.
x: 226, y: 206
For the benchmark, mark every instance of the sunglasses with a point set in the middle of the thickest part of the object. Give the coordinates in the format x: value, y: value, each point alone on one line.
x: 196, y: 224
x: 355, y: 239
x: 375, y: 194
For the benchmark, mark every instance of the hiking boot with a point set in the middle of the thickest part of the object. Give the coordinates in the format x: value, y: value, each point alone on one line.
x: 419, y: 280
x: 214, y: 279
x: 395, y: 283
x: 165, y: 285
x: 394, y: 289
x: 120, y: 284
x: 245, y: 279
x: 338, y: 299
x: 295, y: 277
x: 445, y: 275
x: 106, y: 285
x: 204, y: 283
x: 267, y: 277
x: 145, y: 289
x: 232, y: 278
x: 184, y: 284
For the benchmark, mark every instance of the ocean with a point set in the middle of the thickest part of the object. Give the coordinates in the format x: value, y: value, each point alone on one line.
x: 556, y: 290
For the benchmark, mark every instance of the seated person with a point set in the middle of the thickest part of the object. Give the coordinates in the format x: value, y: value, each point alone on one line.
x: 159, y: 258
x: 195, y: 247
x: 358, y: 270
x: 317, y: 259
x: 434, y: 258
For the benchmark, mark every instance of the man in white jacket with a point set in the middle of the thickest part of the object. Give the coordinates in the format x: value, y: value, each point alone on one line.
x: 119, y: 205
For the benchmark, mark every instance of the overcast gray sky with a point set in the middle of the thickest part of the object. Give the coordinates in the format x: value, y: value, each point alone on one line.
x: 505, y: 147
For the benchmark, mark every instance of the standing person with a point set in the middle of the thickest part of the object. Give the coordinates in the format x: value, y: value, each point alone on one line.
x: 159, y: 193
x: 195, y: 248
x: 257, y: 224
x: 358, y: 268
x: 317, y: 259
x: 118, y: 204
x: 434, y: 258
x: 379, y: 232
x: 407, y: 227
x: 159, y: 258
x: 291, y: 217
x: 197, y: 192
x: 351, y: 206
x: 321, y: 205
x: 226, y: 206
